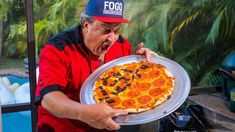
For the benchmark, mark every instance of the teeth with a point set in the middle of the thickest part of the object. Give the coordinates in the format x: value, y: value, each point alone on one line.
x: 105, y: 45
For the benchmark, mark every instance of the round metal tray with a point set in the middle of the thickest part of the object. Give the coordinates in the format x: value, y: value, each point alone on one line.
x: 179, y: 94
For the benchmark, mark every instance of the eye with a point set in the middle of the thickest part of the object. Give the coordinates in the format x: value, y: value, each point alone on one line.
x: 107, y: 31
x: 116, y: 32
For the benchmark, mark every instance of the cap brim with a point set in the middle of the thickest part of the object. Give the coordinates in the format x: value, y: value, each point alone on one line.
x: 111, y: 19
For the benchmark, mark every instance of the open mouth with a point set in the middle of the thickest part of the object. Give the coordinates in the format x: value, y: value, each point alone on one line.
x: 105, y: 46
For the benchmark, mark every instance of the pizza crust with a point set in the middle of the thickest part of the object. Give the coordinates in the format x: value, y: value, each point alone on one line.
x: 139, y: 110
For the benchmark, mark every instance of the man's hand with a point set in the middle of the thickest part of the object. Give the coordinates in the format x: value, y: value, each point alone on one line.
x: 100, y: 116
x: 140, y: 50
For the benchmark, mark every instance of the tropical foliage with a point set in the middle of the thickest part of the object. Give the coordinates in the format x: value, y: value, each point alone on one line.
x: 195, y: 33
x: 50, y: 17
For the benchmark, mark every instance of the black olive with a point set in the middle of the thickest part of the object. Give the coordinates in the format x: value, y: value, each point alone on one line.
x: 116, y: 74
x: 110, y: 101
x: 169, y: 97
x: 139, y: 76
x: 105, y: 82
x: 104, y: 92
x: 122, y: 78
x: 125, y: 82
x: 119, y: 89
x: 113, y: 84
x: 136, y: 71
x: 133, y: 77
x: 130, y: 71
x: 144, y: 67
x: 123, y: 89
x: 103, y: 98
x: 114, y: 93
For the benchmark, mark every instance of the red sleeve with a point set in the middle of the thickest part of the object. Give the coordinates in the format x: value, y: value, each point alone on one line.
x: 53, y: 70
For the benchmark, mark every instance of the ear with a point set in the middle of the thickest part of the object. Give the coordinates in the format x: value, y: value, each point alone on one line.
x: 85, y: 25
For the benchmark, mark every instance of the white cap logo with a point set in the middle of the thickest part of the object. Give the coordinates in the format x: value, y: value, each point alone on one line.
x: 112, y: 8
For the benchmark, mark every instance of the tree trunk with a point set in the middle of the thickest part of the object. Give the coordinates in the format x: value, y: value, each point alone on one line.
x: 1, y: 38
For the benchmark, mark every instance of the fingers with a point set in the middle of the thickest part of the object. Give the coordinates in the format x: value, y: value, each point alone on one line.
x: 100, y: 116
x: 144, y: 51
x: 140, y: 50
x: 111, y: 125
x: 147, y: 53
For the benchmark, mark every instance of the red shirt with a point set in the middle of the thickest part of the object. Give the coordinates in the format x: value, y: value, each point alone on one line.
x: 64, y: 65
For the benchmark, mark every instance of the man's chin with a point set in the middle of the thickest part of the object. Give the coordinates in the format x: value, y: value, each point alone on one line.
x: 103, y: 52
x: 99, y: 54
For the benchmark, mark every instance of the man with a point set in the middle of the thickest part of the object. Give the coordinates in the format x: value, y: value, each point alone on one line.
x: 69, y: 58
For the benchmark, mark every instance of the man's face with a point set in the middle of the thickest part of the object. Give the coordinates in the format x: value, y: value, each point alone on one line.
x: 99, y: 36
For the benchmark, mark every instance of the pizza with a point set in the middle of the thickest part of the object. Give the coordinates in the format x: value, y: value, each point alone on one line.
x: 134, y: 87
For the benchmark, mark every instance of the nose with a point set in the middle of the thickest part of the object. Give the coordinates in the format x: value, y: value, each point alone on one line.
x: 112, y: 37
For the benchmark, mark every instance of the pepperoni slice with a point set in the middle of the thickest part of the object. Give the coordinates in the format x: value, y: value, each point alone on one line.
x: 154, y: 73
x: 133, y: 93
x: 155, y: 92
x: 145, y: 99
x: 144, y: 86
x: 129, y: 103
x: 113, y: 101
x: 159, y: 82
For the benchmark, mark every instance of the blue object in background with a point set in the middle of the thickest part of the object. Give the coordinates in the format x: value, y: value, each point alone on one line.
x: 17, y: 121
x: 20, y: 80
x: 229, y: 61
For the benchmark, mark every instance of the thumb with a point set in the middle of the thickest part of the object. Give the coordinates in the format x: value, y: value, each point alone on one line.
x: 138, y: 48
x: 140, y: 45
x: 117, y: 112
